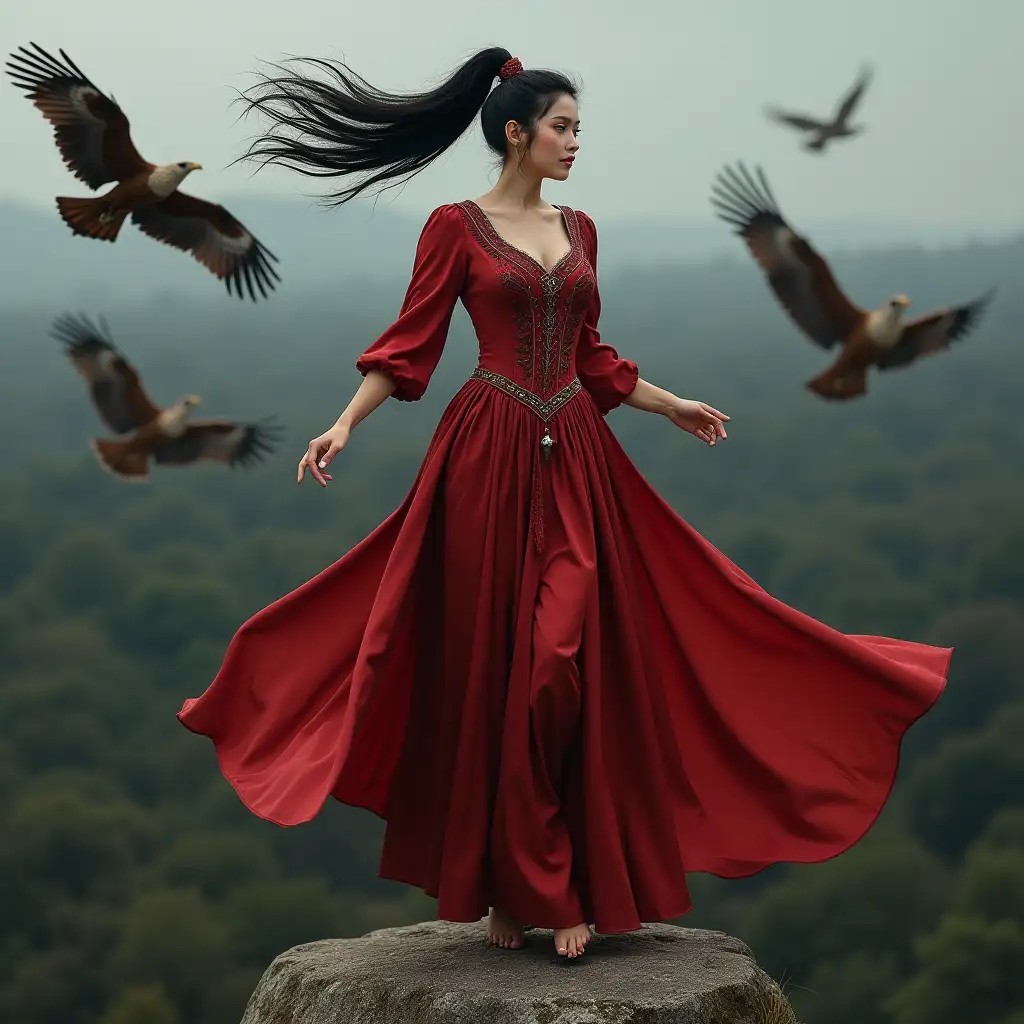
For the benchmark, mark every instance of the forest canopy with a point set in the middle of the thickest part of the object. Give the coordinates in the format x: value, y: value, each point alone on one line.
x: 136, y: 887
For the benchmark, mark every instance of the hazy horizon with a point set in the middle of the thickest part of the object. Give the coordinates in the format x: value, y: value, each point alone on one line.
x: 662, y: 110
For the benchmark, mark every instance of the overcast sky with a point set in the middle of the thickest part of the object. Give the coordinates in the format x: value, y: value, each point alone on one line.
x: 672, y: 89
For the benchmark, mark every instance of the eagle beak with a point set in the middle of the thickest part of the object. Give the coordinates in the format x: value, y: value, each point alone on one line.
x: 195, y: 167
x: 904, y: 301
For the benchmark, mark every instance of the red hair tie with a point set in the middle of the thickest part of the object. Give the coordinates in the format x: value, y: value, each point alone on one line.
x: 511, y: 67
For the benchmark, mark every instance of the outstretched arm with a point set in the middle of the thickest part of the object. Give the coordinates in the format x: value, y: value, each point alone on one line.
x: 375, y: 389
x: 409, y: 350
x: 613, y: 380
x: 400, y: 362
x: 697, y: 418
x: 609, y: 378
x: 647, y: 397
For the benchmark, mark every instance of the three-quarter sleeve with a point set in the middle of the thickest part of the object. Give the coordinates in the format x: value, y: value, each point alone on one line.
x: 608, y: 378
x: 410, y: 349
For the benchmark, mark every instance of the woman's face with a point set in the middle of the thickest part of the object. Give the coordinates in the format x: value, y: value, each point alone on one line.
x: 555, y: 141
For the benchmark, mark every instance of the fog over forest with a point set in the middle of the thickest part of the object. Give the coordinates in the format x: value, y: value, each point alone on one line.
x: 136, y: 887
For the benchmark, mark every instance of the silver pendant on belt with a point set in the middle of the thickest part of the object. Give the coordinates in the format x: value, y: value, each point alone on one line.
x: 547, y: 442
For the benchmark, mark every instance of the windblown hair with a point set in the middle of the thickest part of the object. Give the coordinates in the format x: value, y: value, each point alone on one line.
x: 329, y: 129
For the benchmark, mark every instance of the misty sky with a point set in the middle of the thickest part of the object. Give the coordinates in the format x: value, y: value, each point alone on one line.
x: 672, y: 89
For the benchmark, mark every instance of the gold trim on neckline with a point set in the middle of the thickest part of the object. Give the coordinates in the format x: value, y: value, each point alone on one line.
x: 500, y: 243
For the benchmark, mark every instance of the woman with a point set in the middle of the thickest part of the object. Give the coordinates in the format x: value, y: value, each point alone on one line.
x: 558, y: 695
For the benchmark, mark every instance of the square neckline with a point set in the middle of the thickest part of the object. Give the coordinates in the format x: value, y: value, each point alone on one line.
x: 502, y: 241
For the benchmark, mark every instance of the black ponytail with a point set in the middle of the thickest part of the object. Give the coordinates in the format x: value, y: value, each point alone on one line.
x: 349, y: 127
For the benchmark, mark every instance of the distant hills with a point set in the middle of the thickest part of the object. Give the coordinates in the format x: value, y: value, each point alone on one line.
x: 318, y: 249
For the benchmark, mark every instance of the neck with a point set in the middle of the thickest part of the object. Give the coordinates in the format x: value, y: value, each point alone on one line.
x: 515, y: 189
x: 173, y: 419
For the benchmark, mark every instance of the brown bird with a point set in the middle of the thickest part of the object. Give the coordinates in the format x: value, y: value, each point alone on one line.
x: 165, y: 435
x: 93, y: 136
x: 824, y: 131
x: 803, y: 283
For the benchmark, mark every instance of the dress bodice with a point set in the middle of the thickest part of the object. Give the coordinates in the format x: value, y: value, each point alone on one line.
x: 527, y: 319
x: 536, y: 328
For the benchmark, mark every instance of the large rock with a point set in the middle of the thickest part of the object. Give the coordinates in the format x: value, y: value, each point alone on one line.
x: 443, y: 973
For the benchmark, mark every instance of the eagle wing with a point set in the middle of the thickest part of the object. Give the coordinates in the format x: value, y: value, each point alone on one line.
x: 852, y: 98
x: 934, y: 332
x: 804, y: 123
x: 214, y: 237
x: 224, y: 441
x: 90, y: 129
x: 114, y: 384
x: 800, y: 278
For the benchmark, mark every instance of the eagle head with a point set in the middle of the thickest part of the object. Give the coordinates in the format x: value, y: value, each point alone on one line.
x: 190, y: 400
x: 178, y: 172
x: 898, y: 303
x: 165, y: 178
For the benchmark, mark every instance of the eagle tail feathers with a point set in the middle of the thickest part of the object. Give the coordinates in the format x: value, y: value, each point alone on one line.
x: 841, y: 386
x: 91, y: 217
x: 116, y: 457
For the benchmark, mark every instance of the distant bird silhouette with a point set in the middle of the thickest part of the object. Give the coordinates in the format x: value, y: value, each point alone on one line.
x: 803, y: 283
x: 165, y: 435
x: 93, y: 136
x: 822, y: 132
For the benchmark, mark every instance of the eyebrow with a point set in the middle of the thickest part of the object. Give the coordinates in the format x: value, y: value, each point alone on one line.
x: 562, y: 117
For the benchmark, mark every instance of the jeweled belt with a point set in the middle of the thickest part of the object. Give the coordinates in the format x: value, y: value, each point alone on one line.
x: 545, y: 408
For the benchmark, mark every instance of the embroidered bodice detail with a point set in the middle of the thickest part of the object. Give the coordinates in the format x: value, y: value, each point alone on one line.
x: 537, y: 328
x: 546, y: 306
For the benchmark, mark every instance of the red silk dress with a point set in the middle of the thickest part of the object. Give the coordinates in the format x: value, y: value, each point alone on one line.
x: 559, y: 696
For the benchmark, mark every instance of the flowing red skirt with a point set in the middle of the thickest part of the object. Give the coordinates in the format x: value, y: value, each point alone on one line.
x: 561, y: 726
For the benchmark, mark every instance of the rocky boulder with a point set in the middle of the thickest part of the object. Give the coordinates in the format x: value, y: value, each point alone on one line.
x: 443, y: 973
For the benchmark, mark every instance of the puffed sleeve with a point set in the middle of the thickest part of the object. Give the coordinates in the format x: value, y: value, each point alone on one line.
x: 410, y: 349
x: 608, y: 378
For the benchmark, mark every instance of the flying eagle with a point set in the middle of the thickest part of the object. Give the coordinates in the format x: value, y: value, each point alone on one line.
x: 824, y: 131
x: 803, y: 283
x: 93, y: 136
x: 165, y: 435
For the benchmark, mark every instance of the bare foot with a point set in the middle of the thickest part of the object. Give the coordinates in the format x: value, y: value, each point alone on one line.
x: 572, y: 941
x: 503, y: 930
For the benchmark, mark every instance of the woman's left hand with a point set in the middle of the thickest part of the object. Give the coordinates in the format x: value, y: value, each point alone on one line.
x: 699, y: 419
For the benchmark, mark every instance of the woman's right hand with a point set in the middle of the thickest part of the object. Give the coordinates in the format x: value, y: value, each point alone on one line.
x: 321, y: 451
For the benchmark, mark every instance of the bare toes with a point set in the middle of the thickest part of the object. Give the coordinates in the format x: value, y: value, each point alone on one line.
x: 504, y: 931
x: 571, y: 942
